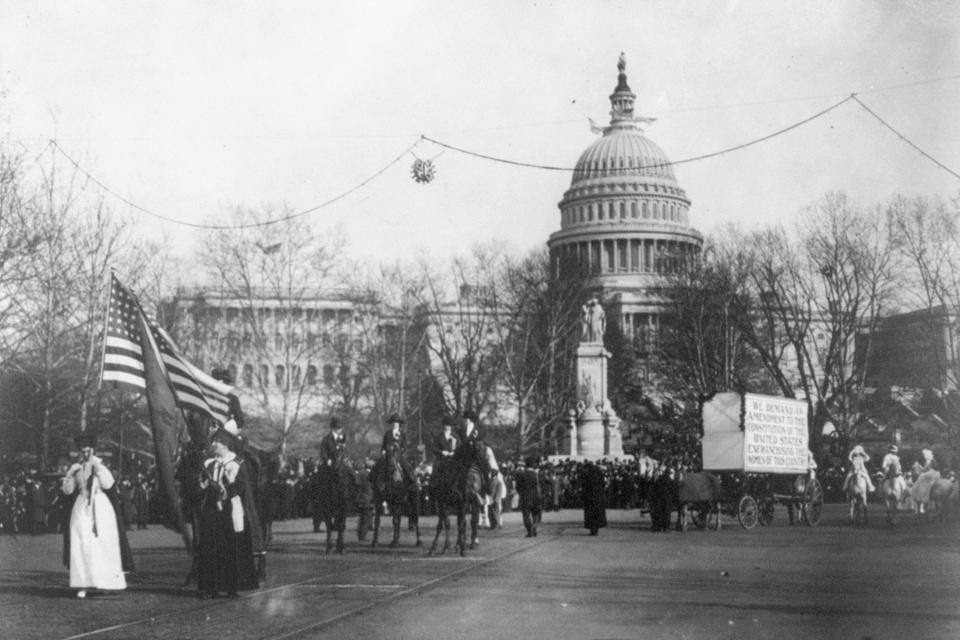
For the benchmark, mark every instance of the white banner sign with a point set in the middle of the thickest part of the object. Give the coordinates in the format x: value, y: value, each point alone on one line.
x: 775, y: 434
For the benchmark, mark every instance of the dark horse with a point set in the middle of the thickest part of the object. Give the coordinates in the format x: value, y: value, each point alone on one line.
x: 334, y: 490
x: 457, y: 486
x: 393, y: 486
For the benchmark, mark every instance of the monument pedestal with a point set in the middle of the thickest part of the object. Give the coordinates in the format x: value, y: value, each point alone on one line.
x: 597, y: 425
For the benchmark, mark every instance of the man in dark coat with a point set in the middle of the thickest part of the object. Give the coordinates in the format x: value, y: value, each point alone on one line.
x: 395, y: 445
x: 530, y: 498
x: 444, y: 445
x: 471, y: 440
x: 594, y: 497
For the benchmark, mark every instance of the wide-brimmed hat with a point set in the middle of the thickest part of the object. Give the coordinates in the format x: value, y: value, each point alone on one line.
x: 892, y: 448
x: 335, y: 423
x: 85, y: 440
x: 227, y: 438
x: 395, y: 417
x: 448, y: 421
x: 471, y: 416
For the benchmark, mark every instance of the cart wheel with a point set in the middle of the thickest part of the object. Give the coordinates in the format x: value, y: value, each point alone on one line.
x: 812, y: 503
x: 747, y: 512
x: 699, y: 513
x: 765, y: 514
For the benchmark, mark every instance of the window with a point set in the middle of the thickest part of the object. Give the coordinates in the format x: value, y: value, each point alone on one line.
x: 264, y: 377
x: 328, y: 375
x: 248, y: 375
x: 296, y: 375
x: 311, y: 375
x: 280, y: 374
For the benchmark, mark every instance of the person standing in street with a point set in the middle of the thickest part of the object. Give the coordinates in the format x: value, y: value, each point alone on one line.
x: 95, y: 559
x: 225, y: 561
x: 594, y: 497
x: 531, y: 499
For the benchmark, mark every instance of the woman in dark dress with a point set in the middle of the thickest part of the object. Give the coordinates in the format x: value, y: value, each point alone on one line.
x: 224, y: 544
x: 594, y: 497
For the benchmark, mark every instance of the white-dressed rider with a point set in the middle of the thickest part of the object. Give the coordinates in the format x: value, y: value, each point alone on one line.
x: 893, y: 471
x: 858, y: 467
x: 929, y: 473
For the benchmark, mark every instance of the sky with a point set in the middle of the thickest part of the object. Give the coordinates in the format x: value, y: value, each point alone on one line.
x: 188, y: 109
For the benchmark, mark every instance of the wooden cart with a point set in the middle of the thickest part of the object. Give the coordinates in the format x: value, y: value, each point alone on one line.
x: 755, y: 456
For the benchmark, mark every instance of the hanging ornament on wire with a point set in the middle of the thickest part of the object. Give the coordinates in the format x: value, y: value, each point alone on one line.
x: 423, y: 171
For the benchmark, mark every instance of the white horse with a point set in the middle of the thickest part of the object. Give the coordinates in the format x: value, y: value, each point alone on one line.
x: 857, y: 490
x: 945, y: 498
x: 893, y: 489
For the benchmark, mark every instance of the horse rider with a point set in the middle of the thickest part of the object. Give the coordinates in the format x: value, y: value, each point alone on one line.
x: 893, y: 471
x: 928, y: 474
x: 444, y: 445
x: 471, y: 438
x: 332, y: 446
x: 858, y: 466
x: 395, y: 444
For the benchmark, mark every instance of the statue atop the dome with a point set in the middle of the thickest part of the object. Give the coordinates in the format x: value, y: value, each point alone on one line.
x: 622, y: 63
x: 593, y: 322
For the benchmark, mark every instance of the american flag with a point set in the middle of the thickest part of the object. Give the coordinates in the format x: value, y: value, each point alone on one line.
x: 123, y: 358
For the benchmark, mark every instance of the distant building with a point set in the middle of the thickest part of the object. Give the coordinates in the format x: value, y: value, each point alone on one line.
x: 916, y: 350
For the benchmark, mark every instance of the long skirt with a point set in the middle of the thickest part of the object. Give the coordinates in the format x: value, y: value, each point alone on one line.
x: 95, y: 561
x: 921, y: 488
x: 225, y: 557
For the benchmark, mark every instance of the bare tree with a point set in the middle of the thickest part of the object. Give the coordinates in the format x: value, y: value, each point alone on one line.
x: 702, y: 350
x: 273, y: 275
x: 62, y: 303
x: 820, y: 299
x: 458, y: 309
x: 930, y: 245
x: 535, y: 319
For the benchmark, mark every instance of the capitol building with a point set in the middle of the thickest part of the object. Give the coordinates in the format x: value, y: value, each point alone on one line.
x: 623, y: 221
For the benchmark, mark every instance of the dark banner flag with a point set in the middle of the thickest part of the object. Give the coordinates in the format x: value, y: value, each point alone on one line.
x: 167, y: 422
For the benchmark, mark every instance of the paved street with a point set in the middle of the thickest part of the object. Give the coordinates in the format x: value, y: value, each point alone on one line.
x: 831, y: 581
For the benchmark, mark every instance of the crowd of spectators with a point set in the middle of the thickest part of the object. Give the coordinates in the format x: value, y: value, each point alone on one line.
x: 32, y: 503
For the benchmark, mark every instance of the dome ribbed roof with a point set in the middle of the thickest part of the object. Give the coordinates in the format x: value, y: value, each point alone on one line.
x: 623, y: 152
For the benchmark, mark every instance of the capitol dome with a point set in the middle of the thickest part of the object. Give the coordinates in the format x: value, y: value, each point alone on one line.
x: 623, y: 152
x: 624, y: 220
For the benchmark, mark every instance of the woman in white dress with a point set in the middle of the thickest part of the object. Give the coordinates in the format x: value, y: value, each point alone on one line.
x: 95, y: 561
x: 928, y: 474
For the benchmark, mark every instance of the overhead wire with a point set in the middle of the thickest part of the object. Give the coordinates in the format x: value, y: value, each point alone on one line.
x: 649, y: 166
x: 904, y: 138
x: 233, y: 226
x: 445, y: 145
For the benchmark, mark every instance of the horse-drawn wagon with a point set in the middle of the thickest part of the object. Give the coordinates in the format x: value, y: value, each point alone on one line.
x: 755, y: 456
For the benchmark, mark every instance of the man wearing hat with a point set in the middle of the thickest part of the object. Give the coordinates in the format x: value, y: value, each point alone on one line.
x: 333, y: 445
x: 444, y: 445
x: 470, y: 429
x: 394, y: 446
x: 531, y: 499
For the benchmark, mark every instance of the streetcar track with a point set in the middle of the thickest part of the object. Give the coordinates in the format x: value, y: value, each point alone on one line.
x: 400, y: 594
x: 318, y: 581
x: 218, y: 604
